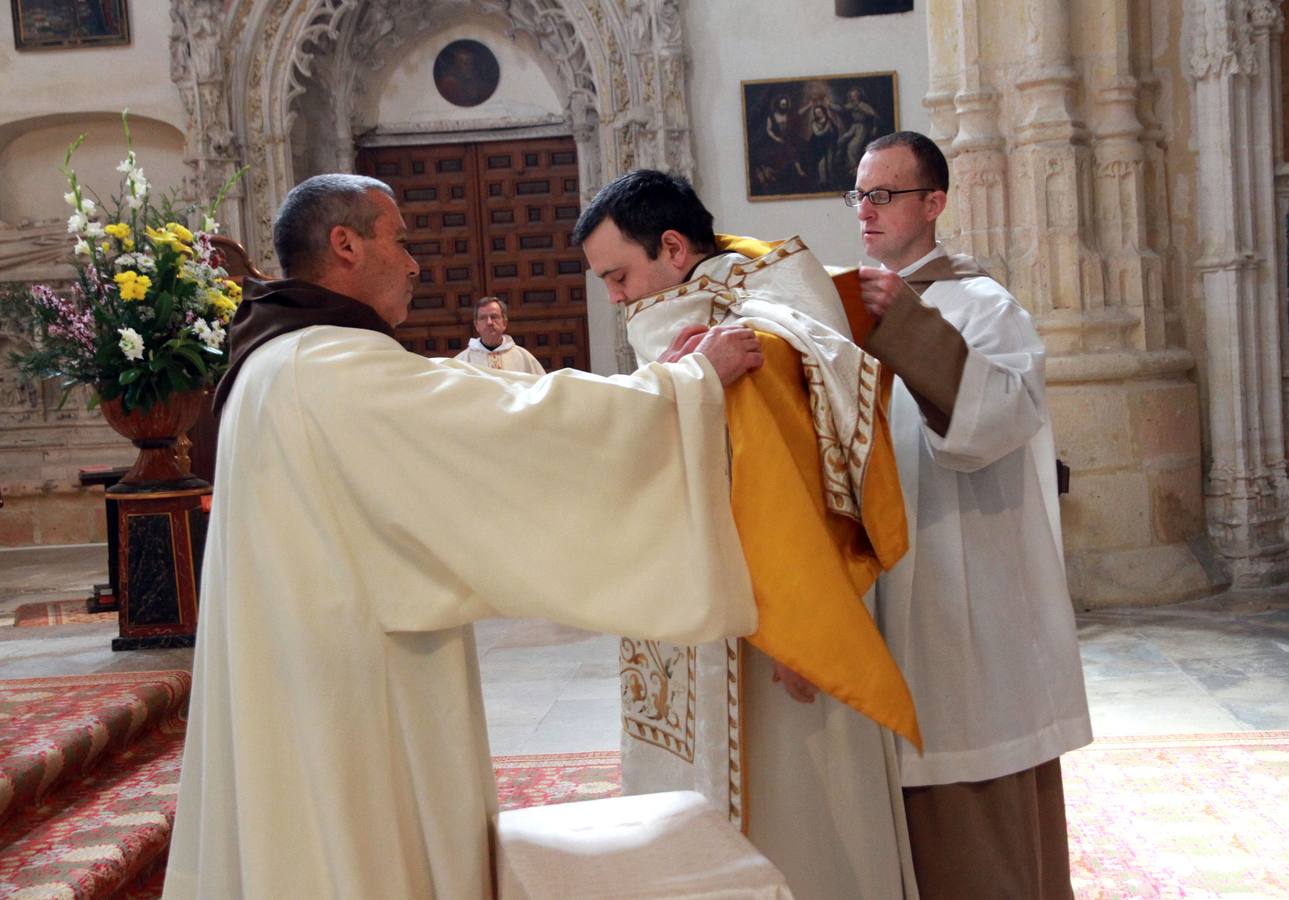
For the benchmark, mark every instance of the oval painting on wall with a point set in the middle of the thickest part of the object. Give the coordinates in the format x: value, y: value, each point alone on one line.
x: 466, y: 73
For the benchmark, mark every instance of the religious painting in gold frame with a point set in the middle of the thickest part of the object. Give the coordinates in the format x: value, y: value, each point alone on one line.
x: 64, y: 24
x: 803, y: 137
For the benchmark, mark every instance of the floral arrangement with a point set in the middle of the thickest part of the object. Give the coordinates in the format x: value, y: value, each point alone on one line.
x: 147, y: 315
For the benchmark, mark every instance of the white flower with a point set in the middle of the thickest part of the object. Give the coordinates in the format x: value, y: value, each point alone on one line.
x: 75, y: 223
x: 209, y: 225
x: 82, y: 247
x: 134, y: 202
x: 131, y: 343
x: 126, y: 164
x: 212, y: 337
x: 94, y: 229
x: 70, y: 197
x: 88, y: 206
x: 140, y: 262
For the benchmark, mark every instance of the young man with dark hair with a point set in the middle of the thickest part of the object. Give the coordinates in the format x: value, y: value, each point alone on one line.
x: 977, y: 613
x: 816, y: 501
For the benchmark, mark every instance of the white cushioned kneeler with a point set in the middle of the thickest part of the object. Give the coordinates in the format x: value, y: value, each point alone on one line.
x: 672, y: 845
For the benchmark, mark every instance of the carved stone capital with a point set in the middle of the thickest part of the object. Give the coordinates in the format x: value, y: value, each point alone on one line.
x: 1266, y: 15
x: 1221, y: 33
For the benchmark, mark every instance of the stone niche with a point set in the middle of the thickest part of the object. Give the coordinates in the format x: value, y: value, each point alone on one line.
x: 44, y: 440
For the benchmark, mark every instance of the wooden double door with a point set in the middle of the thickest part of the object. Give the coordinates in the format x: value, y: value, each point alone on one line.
x: 492, y: 218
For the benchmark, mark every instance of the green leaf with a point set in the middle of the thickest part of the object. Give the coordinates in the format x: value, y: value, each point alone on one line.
x: 165, y: 306
x: 130, y: 376
x: 192, y: 356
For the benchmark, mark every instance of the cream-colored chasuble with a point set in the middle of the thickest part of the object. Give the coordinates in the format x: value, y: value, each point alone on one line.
x: 507, y: 355
x: 336, y: 743
x: 812, y: 460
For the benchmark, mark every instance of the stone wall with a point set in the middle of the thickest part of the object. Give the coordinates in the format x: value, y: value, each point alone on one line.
x: 1119, y: 164
x: 728, y: 44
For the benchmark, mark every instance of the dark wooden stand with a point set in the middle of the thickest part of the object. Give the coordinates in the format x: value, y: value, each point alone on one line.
x: 104, y: 597
x: 161, y: 537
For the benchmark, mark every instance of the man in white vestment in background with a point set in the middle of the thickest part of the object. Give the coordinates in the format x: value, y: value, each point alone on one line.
x: 811, y: 780
x: 977, y: 613
x: 492, y: 348
x: 336, y: 744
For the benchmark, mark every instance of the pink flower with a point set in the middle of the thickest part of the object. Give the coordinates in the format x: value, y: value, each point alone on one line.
x: 75, y: 325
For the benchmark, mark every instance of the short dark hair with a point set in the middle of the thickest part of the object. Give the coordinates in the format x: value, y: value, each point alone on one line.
x: 644, y: 204
x: 484, y: 301
x: 934, y: 167
x: 302, y: 227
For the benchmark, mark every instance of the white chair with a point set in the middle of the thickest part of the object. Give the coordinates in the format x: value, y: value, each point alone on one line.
x: 672, y: 845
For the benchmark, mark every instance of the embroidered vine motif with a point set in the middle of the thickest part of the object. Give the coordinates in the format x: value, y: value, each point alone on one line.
x: 658, y: 694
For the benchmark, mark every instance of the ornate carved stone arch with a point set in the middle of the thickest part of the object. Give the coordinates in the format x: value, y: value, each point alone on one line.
x: 620, y: 64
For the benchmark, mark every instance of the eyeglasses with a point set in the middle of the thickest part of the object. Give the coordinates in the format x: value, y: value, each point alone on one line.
x: 877, y: 196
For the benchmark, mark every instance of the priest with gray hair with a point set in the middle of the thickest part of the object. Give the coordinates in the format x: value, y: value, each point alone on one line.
x: 336, y: 744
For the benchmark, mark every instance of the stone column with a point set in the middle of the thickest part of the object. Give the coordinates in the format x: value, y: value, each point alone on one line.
x: 1133, y: 278
x: 1051, y: 162
x: 1057, y: 266
x: 965, y: 113
x: 1234, y: 71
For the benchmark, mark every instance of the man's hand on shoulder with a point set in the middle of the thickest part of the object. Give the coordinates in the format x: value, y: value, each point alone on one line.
x: 878, y: 289
x: 733, y: 351
x: 684, y: 343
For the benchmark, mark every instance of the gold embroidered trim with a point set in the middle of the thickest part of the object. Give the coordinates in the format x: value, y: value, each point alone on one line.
x: 734, y: 709
x: 658, y: 683
x: 737, y: 276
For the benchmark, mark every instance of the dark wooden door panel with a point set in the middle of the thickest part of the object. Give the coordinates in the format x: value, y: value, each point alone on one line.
x: 529, y: 204
x: 435, y: 190
x: 491, y: 218
x: 556, y: 342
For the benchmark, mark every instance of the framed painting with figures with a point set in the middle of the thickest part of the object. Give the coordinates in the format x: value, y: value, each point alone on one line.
x: 804, y: 136
x: 60, y: 24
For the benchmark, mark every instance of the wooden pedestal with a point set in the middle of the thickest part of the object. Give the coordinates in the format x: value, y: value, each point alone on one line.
x: 161, y: 536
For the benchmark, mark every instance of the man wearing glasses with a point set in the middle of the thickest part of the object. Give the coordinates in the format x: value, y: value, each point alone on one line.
x: 977, y: 613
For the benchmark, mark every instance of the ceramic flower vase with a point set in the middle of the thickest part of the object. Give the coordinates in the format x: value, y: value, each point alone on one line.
x: 157, y: 515
x: 156, y: 432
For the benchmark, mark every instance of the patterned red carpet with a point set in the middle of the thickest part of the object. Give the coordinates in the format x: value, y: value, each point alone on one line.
x: 89, y: 770
x: 1188, y: 816
x: 542, y: 780
x: 1202, y: 816
x: 57, y: 612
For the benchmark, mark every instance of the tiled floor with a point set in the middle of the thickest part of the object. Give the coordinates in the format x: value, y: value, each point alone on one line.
x: 1214, y: 665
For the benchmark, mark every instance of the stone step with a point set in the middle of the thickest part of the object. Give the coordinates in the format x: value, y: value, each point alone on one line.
x: 54, y: 731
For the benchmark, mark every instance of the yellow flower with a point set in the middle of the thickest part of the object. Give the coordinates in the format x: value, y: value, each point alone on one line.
x: 169, y: 239
x: 179, y: 231
x: 118, y: 230
x: 106, y: 247
x: 128, y: 243
x: 233, y: 290
x: 132, y: 285
x: 224, y: 306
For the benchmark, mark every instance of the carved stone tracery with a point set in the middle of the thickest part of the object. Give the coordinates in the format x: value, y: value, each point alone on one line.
x: 619, y: 65
x: 199, y: 72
